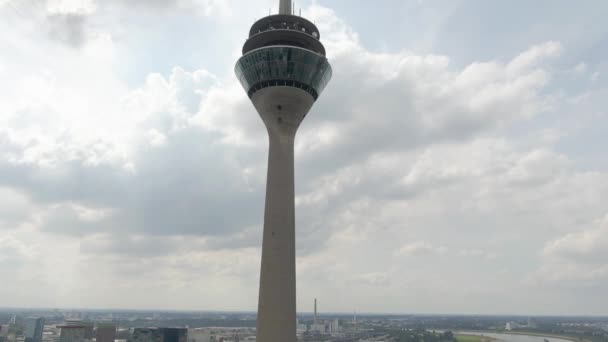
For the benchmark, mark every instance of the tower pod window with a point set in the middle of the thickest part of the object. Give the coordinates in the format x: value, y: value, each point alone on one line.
x: 283, y: 66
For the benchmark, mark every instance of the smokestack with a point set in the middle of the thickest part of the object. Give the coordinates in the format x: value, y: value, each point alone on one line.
x: 315, y: 320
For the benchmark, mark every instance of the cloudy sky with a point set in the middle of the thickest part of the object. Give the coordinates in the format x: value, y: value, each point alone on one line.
x: 455, y: 164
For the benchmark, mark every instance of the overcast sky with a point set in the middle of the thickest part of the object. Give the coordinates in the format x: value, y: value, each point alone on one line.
x: 455, y: 164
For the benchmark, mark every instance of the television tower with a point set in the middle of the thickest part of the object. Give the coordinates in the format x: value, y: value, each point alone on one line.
x: 283, y: 70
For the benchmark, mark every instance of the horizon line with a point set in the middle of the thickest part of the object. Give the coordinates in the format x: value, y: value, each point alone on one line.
x: 341, y: 313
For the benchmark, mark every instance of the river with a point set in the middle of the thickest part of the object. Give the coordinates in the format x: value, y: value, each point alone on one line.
x: 513, y: 337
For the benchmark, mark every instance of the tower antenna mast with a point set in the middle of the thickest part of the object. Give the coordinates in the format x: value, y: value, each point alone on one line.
x: 285, y: 7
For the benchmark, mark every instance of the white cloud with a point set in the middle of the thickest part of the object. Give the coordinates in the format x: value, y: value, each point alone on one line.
x: 74, y: 7
x: 575, y: 265
x: 374, y: 279
x: 535, y: 55
x: 420, y: 249
x: 477, y: 253
x: 139, y: 185
x: 13, y: 249
x: 207, y: 8
x: 15, y: 208
x: 587, y: 246
x: 580, y: 68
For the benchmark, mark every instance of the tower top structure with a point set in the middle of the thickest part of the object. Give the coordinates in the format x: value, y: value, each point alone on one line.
x: 285, y: 7
x: 284, y: 50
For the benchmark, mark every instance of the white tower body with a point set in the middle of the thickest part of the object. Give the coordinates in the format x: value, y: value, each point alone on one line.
x: 283, y: 70
x: 277, y: 299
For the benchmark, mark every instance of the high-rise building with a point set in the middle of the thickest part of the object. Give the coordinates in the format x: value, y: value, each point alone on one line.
x: 34, y: 327
x: 283, y: 70
x: 334, y: 326
x: 73, y: 332
x: 3, y: 333
x: 199, y: 335
x: 106, y: 332
x: 76, y: 330
x: 160, y: 335
x: 89, y: 329
x: 318, y: 327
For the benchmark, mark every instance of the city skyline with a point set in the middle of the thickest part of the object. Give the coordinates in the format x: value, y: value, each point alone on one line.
x: 197, y: 327
x: 456, y: 163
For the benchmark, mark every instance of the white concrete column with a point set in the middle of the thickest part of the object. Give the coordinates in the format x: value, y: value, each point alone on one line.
x: 282, y: 109
x: 277, y: 301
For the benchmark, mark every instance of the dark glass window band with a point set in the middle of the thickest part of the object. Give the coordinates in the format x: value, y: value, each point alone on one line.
x: 283, y: 83
x: 283, y: 66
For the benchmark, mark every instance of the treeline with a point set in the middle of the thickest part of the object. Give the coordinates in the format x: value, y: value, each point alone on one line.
x: 421, y: 335
x: 192, y: 323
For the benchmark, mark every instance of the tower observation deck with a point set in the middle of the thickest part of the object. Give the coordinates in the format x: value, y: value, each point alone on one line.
x: 284, y: 71
x: 284, y: 50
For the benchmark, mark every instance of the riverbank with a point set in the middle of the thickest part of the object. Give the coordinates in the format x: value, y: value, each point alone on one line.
x: 522, y: 333
x: 474, y: 338
x: 563, y: 337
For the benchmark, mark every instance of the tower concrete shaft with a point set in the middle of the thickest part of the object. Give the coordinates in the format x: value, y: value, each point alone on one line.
x: 282, y: 109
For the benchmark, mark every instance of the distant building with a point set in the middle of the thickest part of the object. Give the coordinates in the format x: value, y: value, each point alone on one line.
x: 199, y: 335
x: 88, y: 328
x: 34, y: 327
x: 318, y: 327
x: 106, y: 332
x: 3, y: 333
x: 73, y: 333
x: 160, y: 335
x: 334, y: 327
